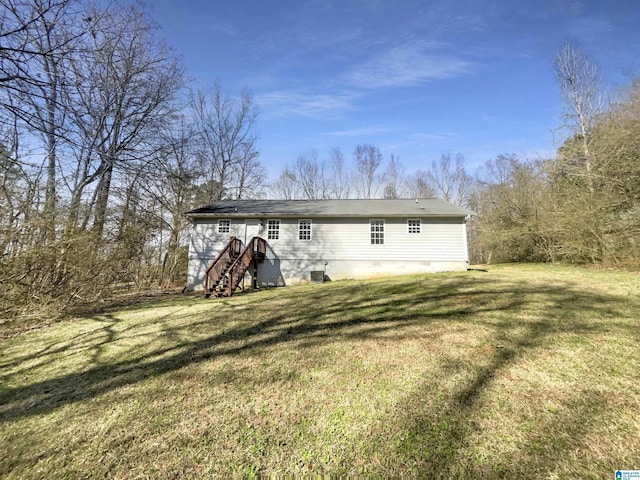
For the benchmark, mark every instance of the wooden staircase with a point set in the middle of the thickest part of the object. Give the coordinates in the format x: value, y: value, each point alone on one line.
x: 226, y: 272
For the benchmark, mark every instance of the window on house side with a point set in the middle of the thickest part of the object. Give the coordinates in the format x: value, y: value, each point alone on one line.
x: 224, y: 226
x: 304, y: 229
x: 377, y: 232
x: 414, y: 226
x: 273, y: 229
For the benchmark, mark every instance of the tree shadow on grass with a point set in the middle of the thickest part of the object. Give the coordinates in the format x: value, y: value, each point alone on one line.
x: 436, y: 441
x: 94, y: 340
x: 312, y: 317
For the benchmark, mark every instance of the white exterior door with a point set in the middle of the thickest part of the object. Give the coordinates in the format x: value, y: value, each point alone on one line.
x: 251, y: 229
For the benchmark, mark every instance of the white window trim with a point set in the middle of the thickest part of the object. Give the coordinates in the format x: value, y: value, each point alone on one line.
x: 371, y: 232
x: 220, y: 220
x: 310, y: 229
x: 279, y: 223
x: 419, y: 226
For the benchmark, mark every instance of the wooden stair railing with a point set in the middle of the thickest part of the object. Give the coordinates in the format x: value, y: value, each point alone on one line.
x: 254, y: 251
x: 218, y: 268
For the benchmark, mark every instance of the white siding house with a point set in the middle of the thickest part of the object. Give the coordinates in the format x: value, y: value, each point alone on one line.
x: 342, y: 238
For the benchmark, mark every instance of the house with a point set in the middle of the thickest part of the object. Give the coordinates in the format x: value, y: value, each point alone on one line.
x: 326, y: 239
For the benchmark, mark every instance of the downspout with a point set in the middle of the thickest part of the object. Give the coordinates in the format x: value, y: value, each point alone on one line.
x: 466, y: 243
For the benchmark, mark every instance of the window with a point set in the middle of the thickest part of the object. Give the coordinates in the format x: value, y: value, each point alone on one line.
x: 224, y: 226
x: 304, y: 229
x: 377, y: 232
x: 273, y: 229
x: 413, y: 226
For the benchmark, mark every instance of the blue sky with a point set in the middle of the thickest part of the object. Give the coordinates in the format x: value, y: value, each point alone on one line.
x: 414, y: 78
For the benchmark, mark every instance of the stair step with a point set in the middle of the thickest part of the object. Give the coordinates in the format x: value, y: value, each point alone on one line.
x: 228, y: 281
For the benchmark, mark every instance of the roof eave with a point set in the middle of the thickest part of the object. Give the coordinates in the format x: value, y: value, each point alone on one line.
x: 306, y: 215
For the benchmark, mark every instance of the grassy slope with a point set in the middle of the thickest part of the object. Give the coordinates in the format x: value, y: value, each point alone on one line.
x: 523, y: 371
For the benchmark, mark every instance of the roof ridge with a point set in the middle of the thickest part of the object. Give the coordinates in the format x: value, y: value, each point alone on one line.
x: 346, y: 207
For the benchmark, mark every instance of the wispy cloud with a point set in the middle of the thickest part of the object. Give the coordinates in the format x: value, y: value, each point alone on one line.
x: 430, y: 137
x: 407, y: 65
x: 421, y: 139
x: 586, y: 28
x: 220, y: 27
x: 308, y: 105
x: 363, y: 132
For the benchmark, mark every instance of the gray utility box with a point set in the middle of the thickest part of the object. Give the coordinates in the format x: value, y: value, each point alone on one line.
x: 317, y: 276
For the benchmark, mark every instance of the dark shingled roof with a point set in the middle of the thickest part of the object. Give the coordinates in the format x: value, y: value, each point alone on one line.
x: 331, y: 208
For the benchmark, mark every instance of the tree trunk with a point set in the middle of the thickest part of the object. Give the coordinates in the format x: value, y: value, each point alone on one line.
x: 102, y: 199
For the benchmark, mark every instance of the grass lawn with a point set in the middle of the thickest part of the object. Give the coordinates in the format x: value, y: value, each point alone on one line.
x: 523, y: 371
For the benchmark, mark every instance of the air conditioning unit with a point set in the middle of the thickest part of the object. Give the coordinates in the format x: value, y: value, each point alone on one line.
x: 317, y: 276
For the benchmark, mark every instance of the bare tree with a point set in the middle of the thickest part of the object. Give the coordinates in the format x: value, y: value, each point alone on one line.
x: 419, y: 185
x: 18, y: 194
x: 40, y: 36
x: 512, y: 212
x: 449, y: 179
x: 368, y: 160
x: 286, y: 186
x: 126, y: 86
x: 393, y: 178
x: 250, y: 177
x: 338, y: 175
x: 227, y: 139
x: 170, y: 186
x: 309, y: 174
x: 21, y: 38
x: 580, y: 87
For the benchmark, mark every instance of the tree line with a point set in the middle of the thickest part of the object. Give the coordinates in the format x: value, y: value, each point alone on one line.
x: 581, y: 206
x: 368, y: 175
x: 104, y: 144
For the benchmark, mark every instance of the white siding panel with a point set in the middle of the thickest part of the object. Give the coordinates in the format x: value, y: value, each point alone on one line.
x: 441, y: 240
x: 341, y: 247
x: 205, y: 244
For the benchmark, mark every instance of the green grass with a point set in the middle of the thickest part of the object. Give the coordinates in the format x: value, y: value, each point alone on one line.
x: 520, y: 372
